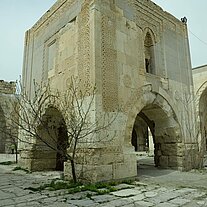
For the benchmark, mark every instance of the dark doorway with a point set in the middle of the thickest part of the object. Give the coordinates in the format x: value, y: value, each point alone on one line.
x: 62, y: 144
x: 52, y: 147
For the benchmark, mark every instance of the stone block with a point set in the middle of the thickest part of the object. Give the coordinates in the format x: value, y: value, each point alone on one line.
x: 164, y: 204
x: 174, y: 149
x: 180, y: 201
x: 90, y: 173
x: 43, y: 164
x: 143, y: 204
x: 119, y: 202
x: 175, y: 161
x: 138, y: 197
x: 25, y: 163
x: 150, y: 194
x: 124, y: 170
x: 103, y: 198
x: 126, y: 193
x: 82, y: 202
x: 164, y: 161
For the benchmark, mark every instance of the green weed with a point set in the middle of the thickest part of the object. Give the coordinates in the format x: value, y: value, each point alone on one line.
x: 98, y: 188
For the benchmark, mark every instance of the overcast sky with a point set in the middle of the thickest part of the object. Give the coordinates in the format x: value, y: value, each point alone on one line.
x: 16, y: 16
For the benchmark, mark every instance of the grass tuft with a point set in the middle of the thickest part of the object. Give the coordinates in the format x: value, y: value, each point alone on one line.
x: 98, y: 188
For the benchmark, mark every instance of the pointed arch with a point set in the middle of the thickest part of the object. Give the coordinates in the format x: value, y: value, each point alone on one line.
x: 166, y: 128
x: 51, y: 144
x: 149, y: 51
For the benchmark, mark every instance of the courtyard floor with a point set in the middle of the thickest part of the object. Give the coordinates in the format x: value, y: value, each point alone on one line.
x: 156, y: 187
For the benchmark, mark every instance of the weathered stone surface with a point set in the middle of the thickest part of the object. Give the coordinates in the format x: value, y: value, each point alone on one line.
x: 126, y: 193
x: 83, y: 202
x: 103, y: 198
x: 7, y: 87
x: 166, y: 204
x: 164, y: 160
x: 143, y: 204
x: 150, y: 194
x: 164, y: 197
x: 7, y: 113
x: 175, y: 161
x: 138, y: 197
x: 180, y: 201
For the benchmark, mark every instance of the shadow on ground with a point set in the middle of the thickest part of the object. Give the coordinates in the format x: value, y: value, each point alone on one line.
x: 146, y: 168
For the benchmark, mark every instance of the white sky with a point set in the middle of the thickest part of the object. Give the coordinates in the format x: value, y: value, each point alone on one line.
x: 16, y: 16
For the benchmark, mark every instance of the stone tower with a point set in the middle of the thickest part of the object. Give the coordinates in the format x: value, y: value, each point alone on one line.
x: 138, y: 57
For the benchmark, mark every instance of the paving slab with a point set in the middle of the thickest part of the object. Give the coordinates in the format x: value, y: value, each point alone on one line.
x: 166, y: 204
x: 118, y: 202
x: 143, y: 204
x: 138, y: 197
x: 157, y: 189
x: 103, y: 198
x: 163, y: 197
x: 150, y: 194
x: 83, y: 202
x: 179, y: 201
x: 126, y: 192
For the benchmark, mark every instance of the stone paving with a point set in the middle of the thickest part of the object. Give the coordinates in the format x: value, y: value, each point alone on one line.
x: 160, y: 188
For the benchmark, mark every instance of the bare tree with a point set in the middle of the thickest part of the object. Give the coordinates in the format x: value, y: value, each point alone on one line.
x: 192, y: 127
x: 78, y: 121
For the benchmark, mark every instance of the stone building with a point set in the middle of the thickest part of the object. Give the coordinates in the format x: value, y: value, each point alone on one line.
x: 137, y: 55
x: 200, y: 90
x: 7, y: 99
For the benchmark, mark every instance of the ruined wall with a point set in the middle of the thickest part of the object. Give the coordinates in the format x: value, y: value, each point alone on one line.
x: 138, y: 57
x: 7, y: 87
x: 7, y: 99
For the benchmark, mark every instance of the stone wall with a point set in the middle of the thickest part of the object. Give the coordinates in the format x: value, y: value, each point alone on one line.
x: 7, y: 87
x: 7, y: 100
x: 200, y: 91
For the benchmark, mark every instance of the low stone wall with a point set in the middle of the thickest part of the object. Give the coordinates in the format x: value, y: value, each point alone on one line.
x: 7, y: 157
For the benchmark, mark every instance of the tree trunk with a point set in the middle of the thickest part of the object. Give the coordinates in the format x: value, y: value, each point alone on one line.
x: 16, y: 154
x: 73, y: 171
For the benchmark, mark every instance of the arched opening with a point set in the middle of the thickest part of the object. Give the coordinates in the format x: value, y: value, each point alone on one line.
x: 143, y: 135
x: 156, y: 112
x: 52, y: 142
x: 2, y: 134
x: 156, y: 131
x: 149, y: 54
x: 203, y: 121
